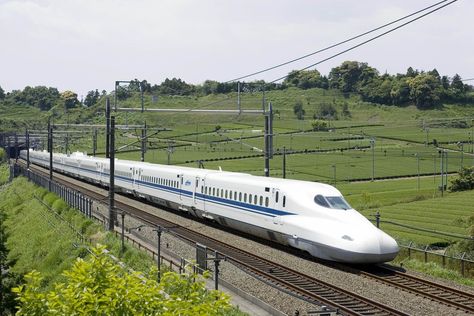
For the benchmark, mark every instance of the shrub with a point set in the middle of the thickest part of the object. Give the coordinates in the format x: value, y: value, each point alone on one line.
x: 465, y: 180
x: 59, y: 206
x: 49, y: 199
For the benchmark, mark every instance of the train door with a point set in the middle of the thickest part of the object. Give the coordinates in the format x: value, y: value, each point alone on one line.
x: 206, y: 192
x: 276, y: 202
x: 139, y: 175
x: 195, y: 189
x: 180, y: 186
x: 134, y: 177
x: 98, y: 172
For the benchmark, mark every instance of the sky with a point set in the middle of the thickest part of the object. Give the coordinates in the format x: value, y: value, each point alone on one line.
x: 83, y: 45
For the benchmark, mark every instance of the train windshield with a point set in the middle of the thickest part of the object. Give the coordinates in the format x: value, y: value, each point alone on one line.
x: 335, y: 202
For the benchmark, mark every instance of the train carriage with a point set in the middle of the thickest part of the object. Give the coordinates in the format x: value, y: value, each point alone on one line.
x: 310, y: 216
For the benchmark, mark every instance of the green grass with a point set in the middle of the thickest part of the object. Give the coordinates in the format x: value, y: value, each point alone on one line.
x: 400, y: 201
x: 39, y: 240
x: 434, y: 269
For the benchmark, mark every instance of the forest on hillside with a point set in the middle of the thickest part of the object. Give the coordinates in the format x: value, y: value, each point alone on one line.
x: 425, y: 89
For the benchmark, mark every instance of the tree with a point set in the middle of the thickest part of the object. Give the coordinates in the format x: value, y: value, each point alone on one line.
x: 425, y: 90
x: 351, y: 75
x: 135, y: 85
x: 175, y: 86
x: 298, y: 110
x: 326, y: 111
x: 69, y: 98
x: 122, y: 93
x: 91, y: 98
x: 319, y: 125
x: 412, y: 73
x: 306, y: 79
x: 465, y: 180
x: 457, y: 87
x: 400, y: 92
x: 8, y: 279
x: 2, y: 94
x: 99, y: 286
x: 41, y: 97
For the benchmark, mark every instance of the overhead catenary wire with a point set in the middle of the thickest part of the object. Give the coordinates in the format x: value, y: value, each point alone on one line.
x: 368, y: 41
x: 350, y: 39
x: 340, y: 43
x: 337, y: 44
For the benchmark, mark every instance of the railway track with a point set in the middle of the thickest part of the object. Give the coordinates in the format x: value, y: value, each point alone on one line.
x: 437, y: 292
x: 300, y: 285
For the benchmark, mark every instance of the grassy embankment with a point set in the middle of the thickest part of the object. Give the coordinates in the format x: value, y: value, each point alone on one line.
x: 38, y: 240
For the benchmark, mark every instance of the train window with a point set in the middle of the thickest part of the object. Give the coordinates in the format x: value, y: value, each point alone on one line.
x: 284, y: 201
x: 225, y: 194
x: 255, y: 199
x: 250, y: 198
x: 222, y: 193
x: 261, y: 200
x: 266, y: 201
x: 235, y: 195
x: 321, y: 201
x: 338, y: 202
x: 276, y: 196
x: 245, y: 197
x: 240, y: 196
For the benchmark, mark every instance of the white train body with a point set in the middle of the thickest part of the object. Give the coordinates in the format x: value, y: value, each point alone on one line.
x: 310, y: 216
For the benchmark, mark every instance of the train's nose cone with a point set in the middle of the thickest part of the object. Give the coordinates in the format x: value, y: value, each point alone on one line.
x: 388, y: 246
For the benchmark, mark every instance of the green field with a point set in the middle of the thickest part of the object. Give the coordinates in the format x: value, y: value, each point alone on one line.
x: 403, y: 148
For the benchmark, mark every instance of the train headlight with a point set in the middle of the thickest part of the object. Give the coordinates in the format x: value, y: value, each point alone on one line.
x: 347, y: 238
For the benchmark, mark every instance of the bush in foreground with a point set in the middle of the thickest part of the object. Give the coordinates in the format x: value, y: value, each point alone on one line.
x: 99, y: 286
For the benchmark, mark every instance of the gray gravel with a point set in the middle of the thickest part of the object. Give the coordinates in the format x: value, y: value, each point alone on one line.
x: 404, y: 301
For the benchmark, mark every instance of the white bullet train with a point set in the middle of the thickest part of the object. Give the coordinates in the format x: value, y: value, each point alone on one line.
x: 310, y: 216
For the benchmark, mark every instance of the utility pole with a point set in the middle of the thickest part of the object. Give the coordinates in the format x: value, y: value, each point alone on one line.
x: 169, y: 151
x: 238, y: 97
x: 268, y: 138
x: 111, y: 174
x: 284, y: 162
x: 67, y: 143
x: 143, y: 143
x: 107, y: 123
x: 141, y: 96
x: 27, y: 136
x: 94, y: 142
x: 372, y: 144
x: 418, y: 168
x: 50, y: 149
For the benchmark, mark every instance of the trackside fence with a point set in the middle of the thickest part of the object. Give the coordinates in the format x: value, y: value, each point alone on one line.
x: 462, y: 262
x: 73, y: 198
x: 458, y: 262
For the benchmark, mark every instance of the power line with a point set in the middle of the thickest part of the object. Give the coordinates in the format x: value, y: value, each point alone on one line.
x: 368, y: 41
x: 337, y: 44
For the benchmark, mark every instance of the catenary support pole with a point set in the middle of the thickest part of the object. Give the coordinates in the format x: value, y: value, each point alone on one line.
x: 50, y: 149
x: 112, y: 214
x: 143, y: 143
x: 107, y: 123
x: 27, y: 136
x: 94, y: 142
